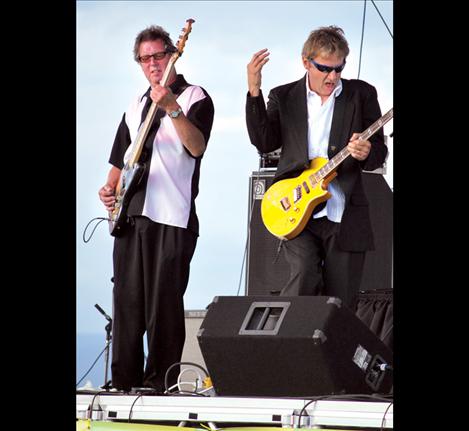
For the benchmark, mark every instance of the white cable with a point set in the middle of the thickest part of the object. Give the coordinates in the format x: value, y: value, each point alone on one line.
x: 197, y: 380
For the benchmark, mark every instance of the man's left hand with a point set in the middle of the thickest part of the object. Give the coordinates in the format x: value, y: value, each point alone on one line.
x: 164, y: 98
x: 358, y: 149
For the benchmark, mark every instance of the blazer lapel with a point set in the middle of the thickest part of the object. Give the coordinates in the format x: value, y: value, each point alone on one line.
x: 298, y: 115
x: 343, y: 114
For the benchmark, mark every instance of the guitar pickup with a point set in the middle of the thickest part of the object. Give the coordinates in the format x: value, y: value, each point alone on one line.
x: 285, y: 203
x: 305, y: 185
x: 297, y: 194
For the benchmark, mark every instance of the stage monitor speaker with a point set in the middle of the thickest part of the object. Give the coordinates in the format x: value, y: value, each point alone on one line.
x: 267, y: 271
x: 291, y: 347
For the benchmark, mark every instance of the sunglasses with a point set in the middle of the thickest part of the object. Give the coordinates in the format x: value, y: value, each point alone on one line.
x: 327, y: 69
x: 156, y: 56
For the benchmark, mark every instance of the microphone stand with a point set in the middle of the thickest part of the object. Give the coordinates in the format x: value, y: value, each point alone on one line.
x: 108, y: 329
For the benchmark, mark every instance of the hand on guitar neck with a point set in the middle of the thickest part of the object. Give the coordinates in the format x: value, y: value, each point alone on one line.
x: 359, y: 149
x: 164, y: 98
x: 191, y: 137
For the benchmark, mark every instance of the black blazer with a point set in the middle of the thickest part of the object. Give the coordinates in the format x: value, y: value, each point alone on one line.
x: 284, y: 123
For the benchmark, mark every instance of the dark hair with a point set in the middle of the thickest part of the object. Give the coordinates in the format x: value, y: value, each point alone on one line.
x: 154, y: 32
x: 326, y: 40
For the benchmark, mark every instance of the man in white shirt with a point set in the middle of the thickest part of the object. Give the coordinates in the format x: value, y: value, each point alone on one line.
x: 152, y: 252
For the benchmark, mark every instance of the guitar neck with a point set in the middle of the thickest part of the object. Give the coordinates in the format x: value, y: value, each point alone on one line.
x: 332, y: 164
x: 145, y: 127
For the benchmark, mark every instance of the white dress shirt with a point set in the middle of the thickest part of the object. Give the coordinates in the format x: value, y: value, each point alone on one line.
x: 319, y: 129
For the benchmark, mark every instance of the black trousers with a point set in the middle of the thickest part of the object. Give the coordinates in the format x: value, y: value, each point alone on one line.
x: 151, y: 272
x: 319, y: 267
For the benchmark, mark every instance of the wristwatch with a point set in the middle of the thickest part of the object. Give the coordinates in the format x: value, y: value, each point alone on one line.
x: 176, y: 113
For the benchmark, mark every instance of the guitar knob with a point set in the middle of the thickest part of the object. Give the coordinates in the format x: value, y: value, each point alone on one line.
x: 292, y: 220
x: 296, y: 209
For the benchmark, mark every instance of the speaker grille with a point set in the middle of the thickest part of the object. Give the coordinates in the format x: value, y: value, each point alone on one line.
x: 266, y: 270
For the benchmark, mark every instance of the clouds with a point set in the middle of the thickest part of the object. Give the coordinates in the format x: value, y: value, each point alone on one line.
x: 223, y: 39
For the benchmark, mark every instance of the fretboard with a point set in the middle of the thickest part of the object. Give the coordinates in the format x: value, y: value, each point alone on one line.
x: 145, y: 126
x: 332, y: 164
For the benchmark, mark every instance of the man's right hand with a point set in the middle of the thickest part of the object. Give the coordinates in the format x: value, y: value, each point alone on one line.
x: 254, y: 71
x: 107, y: 192
x: 107, y: 197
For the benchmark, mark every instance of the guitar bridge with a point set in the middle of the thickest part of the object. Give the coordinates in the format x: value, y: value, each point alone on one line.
x: 285, y: 203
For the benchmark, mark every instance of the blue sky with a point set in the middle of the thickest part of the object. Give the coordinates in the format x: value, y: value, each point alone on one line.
x: 224, y: 36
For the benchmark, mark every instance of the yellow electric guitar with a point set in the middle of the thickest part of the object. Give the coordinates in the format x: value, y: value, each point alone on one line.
x: 288, y: 204
x: 133, y: 171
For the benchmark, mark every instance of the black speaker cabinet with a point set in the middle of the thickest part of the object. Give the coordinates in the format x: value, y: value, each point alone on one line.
x: 291, y: 347
x: 377, y: 270
x: 267, y: 271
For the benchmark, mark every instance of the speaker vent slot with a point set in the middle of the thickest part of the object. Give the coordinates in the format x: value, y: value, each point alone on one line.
x: 264, y: 318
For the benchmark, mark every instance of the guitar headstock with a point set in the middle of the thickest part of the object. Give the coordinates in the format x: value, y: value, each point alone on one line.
x: 179, y: 49
x: 181, y: 43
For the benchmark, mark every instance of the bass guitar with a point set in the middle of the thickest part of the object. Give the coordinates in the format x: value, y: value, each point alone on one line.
x: 288, y: 204
x: 132, y: 172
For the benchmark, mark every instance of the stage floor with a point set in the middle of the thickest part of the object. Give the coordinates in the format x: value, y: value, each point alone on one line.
x: 145, y: 412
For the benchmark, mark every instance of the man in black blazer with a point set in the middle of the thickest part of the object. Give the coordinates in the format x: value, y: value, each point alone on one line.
x: 317, y: 116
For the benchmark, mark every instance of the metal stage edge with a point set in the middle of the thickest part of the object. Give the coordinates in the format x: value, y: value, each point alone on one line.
x: 282, y: 412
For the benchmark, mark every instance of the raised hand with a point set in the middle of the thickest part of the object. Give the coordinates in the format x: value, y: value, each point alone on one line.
x: 254, y: 68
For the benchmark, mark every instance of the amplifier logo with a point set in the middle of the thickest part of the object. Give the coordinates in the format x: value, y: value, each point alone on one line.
x: 258, y: 188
